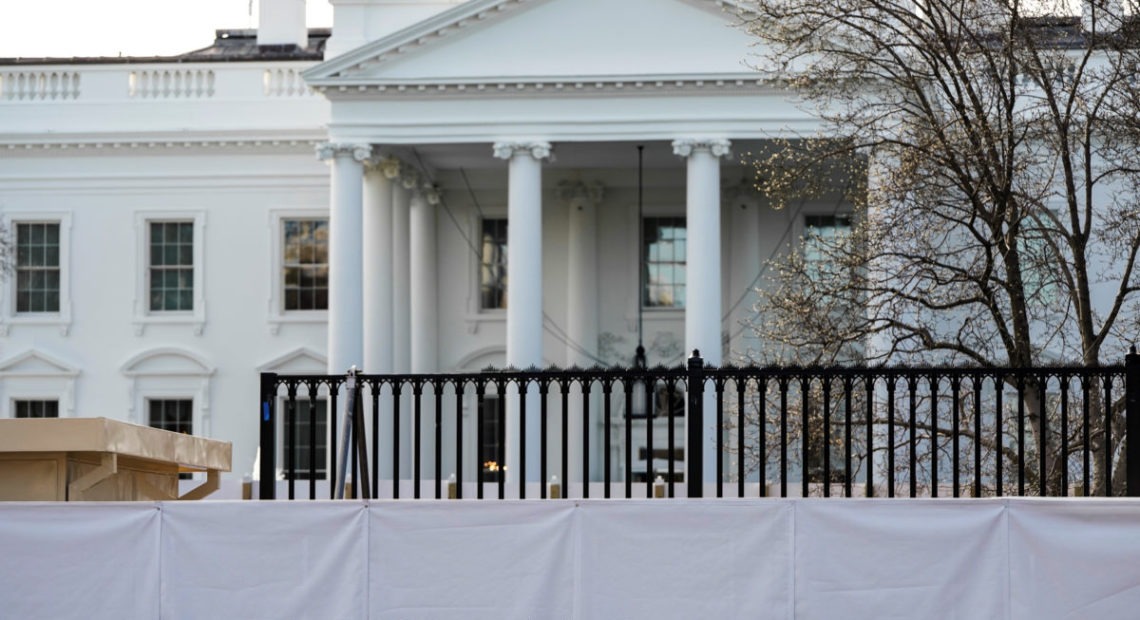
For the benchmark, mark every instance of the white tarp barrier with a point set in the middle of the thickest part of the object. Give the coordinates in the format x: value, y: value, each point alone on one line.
x: 1014, y: 559
x: 82, y: 561
x: 269, y: 560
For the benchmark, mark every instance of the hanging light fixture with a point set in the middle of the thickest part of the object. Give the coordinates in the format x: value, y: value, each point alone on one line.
x: 640, y: 403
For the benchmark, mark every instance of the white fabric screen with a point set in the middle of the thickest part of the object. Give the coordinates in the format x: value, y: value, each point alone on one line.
x: 661, y: 559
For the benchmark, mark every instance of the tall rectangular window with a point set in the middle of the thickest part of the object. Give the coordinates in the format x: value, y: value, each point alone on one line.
x: 37, y: 267
x: 663, y: 262
x: 493, y: 267
x: 171, y: 266
x: 172, y: 414
x: 821, y: 232
x: 36, y: 408
x: 305, y: 264
x: 310, y: 439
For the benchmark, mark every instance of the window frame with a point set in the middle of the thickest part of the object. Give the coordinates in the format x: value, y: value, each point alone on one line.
x: 643, y: 262
x: 15, y: 406
x: 9, y: 317
x: 143, y: 315
x: 476, y: 314
x: 276, y: 312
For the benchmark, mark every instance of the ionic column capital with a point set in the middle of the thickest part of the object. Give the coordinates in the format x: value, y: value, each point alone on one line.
x: 577, y: 191
x: 390, y: 167
x: 356, y: 150
x: 409, y: 179
x: 687, y: 146
x: 537, y: 150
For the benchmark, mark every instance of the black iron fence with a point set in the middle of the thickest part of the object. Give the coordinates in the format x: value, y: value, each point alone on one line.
x: 700, y: 431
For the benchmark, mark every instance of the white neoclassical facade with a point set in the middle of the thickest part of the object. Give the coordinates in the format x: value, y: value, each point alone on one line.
x: 173, y: 234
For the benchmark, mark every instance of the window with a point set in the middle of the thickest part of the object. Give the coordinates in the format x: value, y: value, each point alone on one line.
x: 175, y: 415
x: 821, y: 232
x: 38, y: 267
x: 663, y: 262
x: 36, y: 408
x: 307, y: 439
x: 493, y: 264
x: 171, y: 273
x: 492, y: 459
x: 305, y: 264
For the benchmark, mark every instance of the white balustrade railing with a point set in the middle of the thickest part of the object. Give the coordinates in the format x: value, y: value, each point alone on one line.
x: 171, y: 83
x: 284, y: 82
x: 45, y: 85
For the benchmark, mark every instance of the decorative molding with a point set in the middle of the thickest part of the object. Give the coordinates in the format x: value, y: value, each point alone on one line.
x: 356, y: 150
x: 687, y: 146
x: 578, y: 191
x: 603, y: 84
x: 390, y: 167
x: 127, y: 145
x: 538, y: 149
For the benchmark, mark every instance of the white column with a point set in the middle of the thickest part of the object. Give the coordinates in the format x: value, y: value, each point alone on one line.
x: 401, y: 274
x: 378, y: 267
x: 703, y: 255
x: 424, y: 282
x: 346, y: 304
x: 524, y: 293
x: 524, y: 242
x: 703, y: 272
x: 582, y: 315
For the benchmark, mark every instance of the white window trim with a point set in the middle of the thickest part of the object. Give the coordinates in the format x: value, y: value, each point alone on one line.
x: 648, y: 313
x: 56, y: 382
x: 143, y: 315
x: 191, y: 383
x: 62, y: 319
x: 476, y: 313
x: 277, y: 315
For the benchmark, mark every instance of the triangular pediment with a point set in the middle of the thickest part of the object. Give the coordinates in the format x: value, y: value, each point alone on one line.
x: 168, y: 361
x: 487, y: 41
x: 34, y: 363
x: 299, y: 361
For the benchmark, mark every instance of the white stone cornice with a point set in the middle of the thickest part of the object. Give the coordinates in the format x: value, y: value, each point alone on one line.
x: 686, y: 147
x: 577, y: 191
x: 538, y: 150
x: 356, y: 150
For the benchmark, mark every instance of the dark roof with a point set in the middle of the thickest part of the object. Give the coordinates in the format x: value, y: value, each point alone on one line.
x: 229, y: 46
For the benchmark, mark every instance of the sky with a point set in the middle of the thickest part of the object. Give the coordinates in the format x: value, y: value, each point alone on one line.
x: 64, y: 28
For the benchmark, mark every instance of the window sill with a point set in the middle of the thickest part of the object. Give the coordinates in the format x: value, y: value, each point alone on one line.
x: 484, y: 316
x: 300, y: 317
x: 193, y: 319
x: 33, y: 319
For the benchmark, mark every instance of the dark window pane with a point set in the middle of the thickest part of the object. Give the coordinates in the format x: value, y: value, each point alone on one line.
x: 305, y: 264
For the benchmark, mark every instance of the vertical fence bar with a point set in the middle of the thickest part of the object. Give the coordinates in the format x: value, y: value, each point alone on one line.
x: 587, y: 385
x: 607, y: 387
x: 1107, y: 434
x: 869, y: 388
x: 1043, y: 440
x: 459, y: 390
x: 650, y: 415
x: 783, y: 385
x: 1086, y: 421
x: 1132, y: 420
x: 999, y: 452
x: 847, y: 387
x: 718, y: 384
x: 912, y: 388
x: 826, y: 380
x: 1064, y: 379
x: 523, y: 387
x: 1021, y: 434
x: 976, y: 383
x: 671, y: 447
x: 627, y: 385
x: 397, y: 386
x: 694, y: 451
x: 291, y: 437
x: 934, y: 378
x: 375, y: 390
x: 741, y: 383
x: 312, y: 388
x: 805, y: 430
x: 762, y: 431
x: 891, y: 381
x: 437, y: 395
x: 501, y: 439
x: 267, y: 484
x: 956, y: 413
x: 333, y: 385
x: 543, y: 392
x: 480, y: 449
x: 564, y: 389
x: 361, y: 445
x: 417, y: 438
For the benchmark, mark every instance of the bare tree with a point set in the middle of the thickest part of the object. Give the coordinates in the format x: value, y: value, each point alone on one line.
x: 992, y: 153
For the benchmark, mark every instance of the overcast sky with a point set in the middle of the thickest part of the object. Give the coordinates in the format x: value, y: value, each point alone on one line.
x: 132, y: 27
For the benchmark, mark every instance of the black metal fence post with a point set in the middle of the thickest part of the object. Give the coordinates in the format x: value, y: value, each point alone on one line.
x: 1132, y: 420
x: 694, y: 451
x: 267, y: 485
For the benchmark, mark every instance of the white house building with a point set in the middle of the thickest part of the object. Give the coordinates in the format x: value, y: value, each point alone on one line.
x: 173, y: 235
